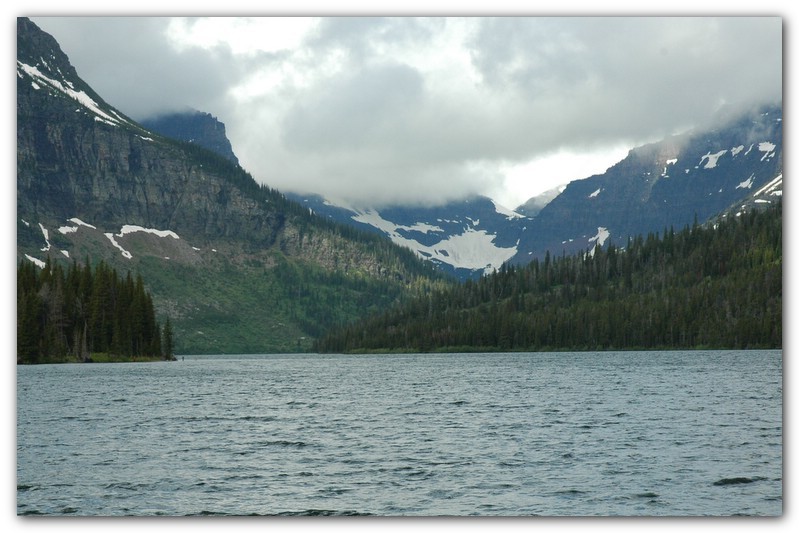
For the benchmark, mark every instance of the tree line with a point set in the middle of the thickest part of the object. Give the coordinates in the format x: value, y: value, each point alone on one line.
x: 714, y: 286
x: 79, y: 313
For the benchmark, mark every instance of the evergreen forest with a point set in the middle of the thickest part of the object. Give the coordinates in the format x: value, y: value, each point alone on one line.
x: 80, y: 314
x: 714, y: 286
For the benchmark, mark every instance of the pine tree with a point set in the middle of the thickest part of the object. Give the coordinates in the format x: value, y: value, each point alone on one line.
x: 168, y: 342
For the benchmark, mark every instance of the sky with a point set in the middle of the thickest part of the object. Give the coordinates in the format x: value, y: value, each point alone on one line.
x: 373, y: 111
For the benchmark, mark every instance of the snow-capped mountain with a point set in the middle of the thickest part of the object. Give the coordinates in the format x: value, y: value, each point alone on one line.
x: 695, y: 176
x: 698, y: 175
x: 467, y: 238
x: 669, y: 184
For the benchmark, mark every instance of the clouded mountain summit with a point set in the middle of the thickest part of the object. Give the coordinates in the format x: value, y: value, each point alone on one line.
x: 415, y: 111
x: 691, y: 177
x: 697, y: 175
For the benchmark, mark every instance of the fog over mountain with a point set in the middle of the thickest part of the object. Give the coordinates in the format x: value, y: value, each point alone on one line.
x: 404, y: 110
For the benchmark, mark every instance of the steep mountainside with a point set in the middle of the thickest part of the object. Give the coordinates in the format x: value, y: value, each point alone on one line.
x: 194, y: 126
x: 235, y: 265
x: 694, y: 176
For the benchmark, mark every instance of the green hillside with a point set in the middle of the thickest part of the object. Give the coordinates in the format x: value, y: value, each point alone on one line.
x: 708, y: 287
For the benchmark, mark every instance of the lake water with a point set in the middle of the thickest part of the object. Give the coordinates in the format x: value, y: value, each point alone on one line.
x: 578, y: 434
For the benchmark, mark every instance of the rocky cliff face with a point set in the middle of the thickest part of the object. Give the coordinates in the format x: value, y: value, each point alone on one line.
x: 77, y: 157
x: 195, y: 127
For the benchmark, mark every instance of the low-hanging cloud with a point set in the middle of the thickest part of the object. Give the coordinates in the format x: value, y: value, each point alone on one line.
x: 388, y: 110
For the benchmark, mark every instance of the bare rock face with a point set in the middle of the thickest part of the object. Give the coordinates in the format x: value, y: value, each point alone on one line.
x: 78, y: 157
x: 195, y: 127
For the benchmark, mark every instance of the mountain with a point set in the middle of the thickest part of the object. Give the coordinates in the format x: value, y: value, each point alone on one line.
x: 194, y: 126
x: 672, y: 183
x: 235, y: 265
x: 467, y: 238
x: 534, y: 205
x: 695, y: 176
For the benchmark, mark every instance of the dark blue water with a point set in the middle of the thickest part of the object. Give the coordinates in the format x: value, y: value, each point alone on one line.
x: 587, y: 434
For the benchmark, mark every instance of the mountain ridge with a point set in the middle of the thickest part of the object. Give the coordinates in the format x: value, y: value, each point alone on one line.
x: 702, y: 173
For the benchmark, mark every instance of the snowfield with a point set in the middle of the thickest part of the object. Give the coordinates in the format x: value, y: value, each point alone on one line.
x: 712, y: 159
x: 472, y: 249
x: 128, y: 228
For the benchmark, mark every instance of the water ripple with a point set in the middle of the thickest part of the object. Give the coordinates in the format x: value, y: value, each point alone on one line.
x: 621, y: 433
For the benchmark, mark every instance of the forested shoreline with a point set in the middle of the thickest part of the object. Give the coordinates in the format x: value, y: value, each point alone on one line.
x: 80, y: 314
x: 716, y: 286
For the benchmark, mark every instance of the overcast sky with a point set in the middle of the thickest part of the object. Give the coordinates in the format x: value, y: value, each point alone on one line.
x: 388, y: 110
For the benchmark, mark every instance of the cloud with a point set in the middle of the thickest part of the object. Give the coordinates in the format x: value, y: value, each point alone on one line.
x: 365, y: 110
x: 598, y: 79
x: 133, y: 65
x: 386, y: 110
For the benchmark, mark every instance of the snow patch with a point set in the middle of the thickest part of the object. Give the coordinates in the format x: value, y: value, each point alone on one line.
x: 472, y: 249
x: 373, y: 218
x: 712, y: 159
x: 768, y: 148
x: 771, y: 187
x: 129, y: 228
x: 72, y: 229
x: 66, y: 253
x: 125, y: 253
x: 423, y: 227
x: 38, y: 262
x: 601, y: 236
x: 746, y: 184
x: 81, y: 97
x: 79, y: 222
x: 665, y: 173
x: 46, y: 238
x: 737, y: 150
x: 595, y: 193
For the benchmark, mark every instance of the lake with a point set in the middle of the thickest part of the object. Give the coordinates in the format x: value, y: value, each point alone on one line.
x: 690, y: 433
